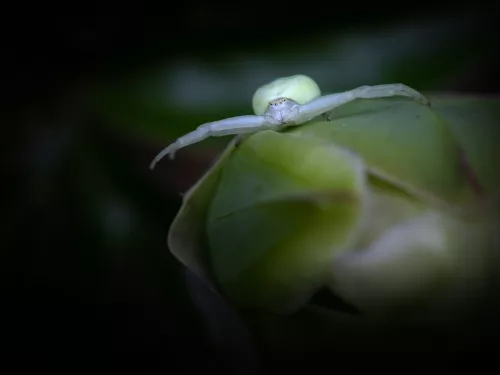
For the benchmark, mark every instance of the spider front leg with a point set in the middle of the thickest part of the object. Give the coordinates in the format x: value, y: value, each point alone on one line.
x: 229, y: 126
x: 325, y: 104
x: 384, y: 91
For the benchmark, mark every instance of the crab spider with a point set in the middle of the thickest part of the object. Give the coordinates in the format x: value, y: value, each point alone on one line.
x: 287, y: 101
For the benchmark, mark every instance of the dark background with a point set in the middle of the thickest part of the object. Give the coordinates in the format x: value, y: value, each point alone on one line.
x: 90, y: 96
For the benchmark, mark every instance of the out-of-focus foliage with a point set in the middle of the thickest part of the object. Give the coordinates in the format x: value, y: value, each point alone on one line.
x: 168, y: 101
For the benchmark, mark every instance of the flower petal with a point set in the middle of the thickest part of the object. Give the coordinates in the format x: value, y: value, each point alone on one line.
x: 273, y: 229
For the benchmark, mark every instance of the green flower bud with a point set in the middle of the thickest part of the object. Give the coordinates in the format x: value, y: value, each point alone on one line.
x: 382, y: 205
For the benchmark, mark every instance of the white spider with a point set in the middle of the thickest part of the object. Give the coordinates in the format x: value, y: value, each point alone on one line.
x: 287, y: 101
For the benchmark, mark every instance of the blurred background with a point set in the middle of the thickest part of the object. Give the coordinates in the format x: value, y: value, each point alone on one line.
x: 93, y: 91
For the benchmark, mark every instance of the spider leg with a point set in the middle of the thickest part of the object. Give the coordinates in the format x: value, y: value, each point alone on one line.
x: 229, y: 126
x: 327, y: 103
x: 384, y: 91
